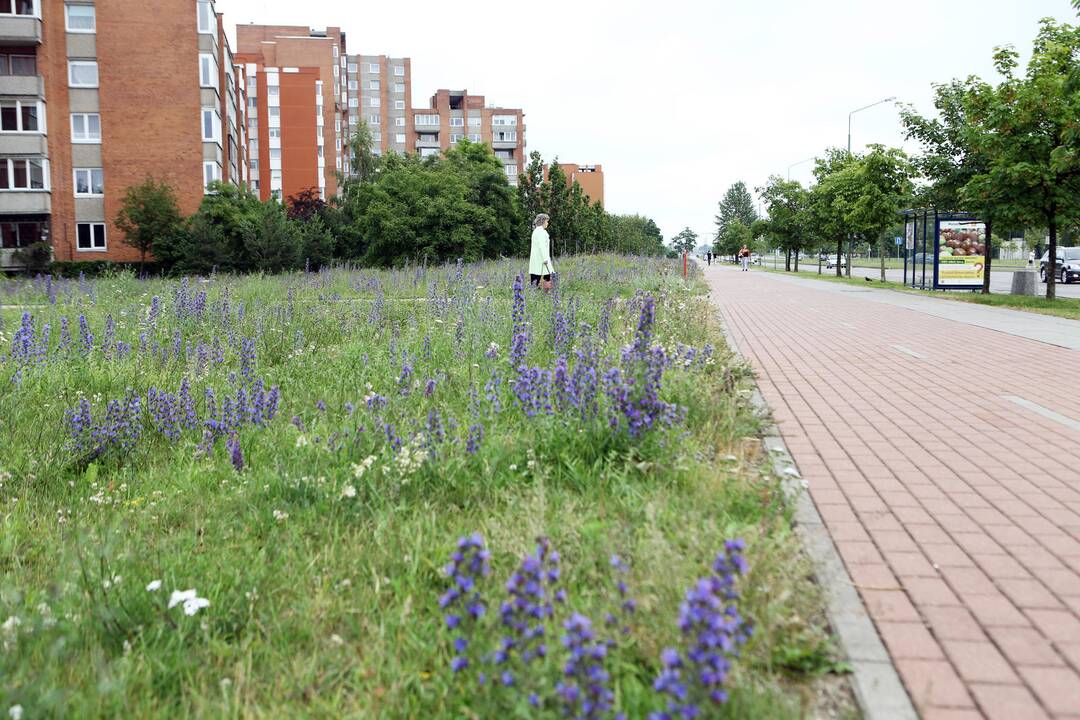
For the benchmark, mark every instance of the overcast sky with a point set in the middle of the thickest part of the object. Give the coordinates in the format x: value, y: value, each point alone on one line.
x: 678, y: 99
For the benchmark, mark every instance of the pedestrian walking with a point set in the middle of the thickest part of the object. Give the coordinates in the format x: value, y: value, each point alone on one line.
x: 709, y: 256
x: 540, y: 265
x: 744, y: 257
x: 1031, y: 257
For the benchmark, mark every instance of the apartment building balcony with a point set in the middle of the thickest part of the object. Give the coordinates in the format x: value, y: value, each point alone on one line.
x: 428, y: 142
x: 31, y: 144
x: 497, y: 144
x: 425, y: 125
x: 19, y: 31
x: 25, y: 202
x: 22, y: 85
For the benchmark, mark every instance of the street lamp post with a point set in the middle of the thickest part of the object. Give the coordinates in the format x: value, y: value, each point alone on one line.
x: 851, y: 241
x: 797, y: 164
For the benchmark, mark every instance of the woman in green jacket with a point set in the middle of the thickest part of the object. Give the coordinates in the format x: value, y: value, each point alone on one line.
x: 540, y: 265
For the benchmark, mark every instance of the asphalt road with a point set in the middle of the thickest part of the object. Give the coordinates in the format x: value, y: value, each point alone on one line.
x: 1000, y: 282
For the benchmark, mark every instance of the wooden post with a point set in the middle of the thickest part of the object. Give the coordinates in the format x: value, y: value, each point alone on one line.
x: 684, y: 273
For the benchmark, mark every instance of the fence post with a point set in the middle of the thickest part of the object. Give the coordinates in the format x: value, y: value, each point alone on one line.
x: 684, y: 273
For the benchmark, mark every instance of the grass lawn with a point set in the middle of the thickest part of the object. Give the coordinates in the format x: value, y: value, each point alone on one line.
x: 1059, y: 307
x: 302, y: 452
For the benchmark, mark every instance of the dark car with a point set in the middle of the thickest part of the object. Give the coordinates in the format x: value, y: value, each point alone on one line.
x: 1068, y: 265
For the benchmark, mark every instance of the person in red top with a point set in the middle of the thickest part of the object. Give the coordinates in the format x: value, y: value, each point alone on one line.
x: 744, y: 256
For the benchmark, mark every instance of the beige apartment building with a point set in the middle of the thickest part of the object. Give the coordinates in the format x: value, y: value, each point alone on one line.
x: 98, y: 96
x: 380, y: 92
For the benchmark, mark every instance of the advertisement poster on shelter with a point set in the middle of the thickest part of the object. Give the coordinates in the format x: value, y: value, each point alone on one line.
x: 909, y: 235
x: 961, y: 253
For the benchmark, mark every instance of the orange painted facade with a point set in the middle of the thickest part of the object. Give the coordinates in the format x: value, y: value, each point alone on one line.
x: 590, y: 177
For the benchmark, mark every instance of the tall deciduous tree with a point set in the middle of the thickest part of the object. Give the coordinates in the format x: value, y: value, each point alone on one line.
x: 148, y: 214
x: 737, y: 204
x: 830, y: 198
x: 786, y: 204
x: 1031, y: 138
x: 556, y: 201
x: 685, y: 241
x: 880, y: 189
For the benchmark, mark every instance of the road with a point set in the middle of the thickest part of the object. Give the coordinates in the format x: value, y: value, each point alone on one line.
x: 940, y: 443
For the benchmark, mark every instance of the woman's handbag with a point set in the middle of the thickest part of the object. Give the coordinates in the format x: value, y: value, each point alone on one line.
x: 547, y: 285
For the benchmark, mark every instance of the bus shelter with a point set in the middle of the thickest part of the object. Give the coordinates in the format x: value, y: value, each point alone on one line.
x: 944, y: 250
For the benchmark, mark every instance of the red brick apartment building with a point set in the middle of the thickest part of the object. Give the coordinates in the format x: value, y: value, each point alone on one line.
x: 590, y: 177
x: 297, y: 107
x: 98, y: 96
x: 455, y: 115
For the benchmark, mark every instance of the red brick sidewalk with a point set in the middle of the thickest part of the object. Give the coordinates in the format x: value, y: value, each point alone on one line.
x: 955, y: 509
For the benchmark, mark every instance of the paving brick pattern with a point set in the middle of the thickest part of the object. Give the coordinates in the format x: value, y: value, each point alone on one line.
x: 956, y: 511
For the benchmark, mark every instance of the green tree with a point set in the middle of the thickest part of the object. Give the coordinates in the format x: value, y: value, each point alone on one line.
x: 951, y: 157
x: 736, y: 234
x: 685, y: 241
x: 556, y: 203
x: 148, y: 213
x: 272, y: 243
x: 786, y: 204
x: 530, y: 196
x: 1031, y: 138
x: 829, y: 199
x: 636, y: 234
x: 364, y: 163
x: 737, y: 204
x: 881, y: 187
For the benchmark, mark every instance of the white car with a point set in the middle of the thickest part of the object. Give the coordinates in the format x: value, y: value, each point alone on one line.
x: 830, y: 263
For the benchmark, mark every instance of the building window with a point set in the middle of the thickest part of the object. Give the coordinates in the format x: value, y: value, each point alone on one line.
x: 399, y: 122
x: 457, y: 122
x: 427, y: 119
x: 80, y: 18
x: 474, y: 137
x: 399, y: 87
x: 206, y: 17
x: 373, y: 67
x: 24, y: 174
x: 506, y: 136
x: 455, y: 138
x: 85, y: 128
x: 22, y: 116
x: 376, y: 137
x: 89, y: 181
x: 375, y: 102
x: 374, y: 120
x: 399, y: 104
x: 20, y: 234
x: 274, y: 111
x: 275, y: 153
x: 211, y: 126
x: 511, y: 170
x: 23, y: 65
x: 90, y: 236
x: 399, y: 138
x: 352, y: 67
x: 474, y: 122
x: 508, y: 120
x: 354, y: 102
x: 208, y: 70
x: 337, y: 52
x: 211, y: 173
x: 254, y: 166
x: 82, y: 73
x: 373, y: 85
x: 18, y: 7
x: 399, y: 71
x: 354, y: 85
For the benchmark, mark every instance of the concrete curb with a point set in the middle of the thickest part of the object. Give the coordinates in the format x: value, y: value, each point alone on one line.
x: 878, y: 689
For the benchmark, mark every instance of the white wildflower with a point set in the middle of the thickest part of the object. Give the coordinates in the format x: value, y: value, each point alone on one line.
x: 153, y: 585
x: 178, y: 597
x: 337, y: 639
x: 281, y: 516
x: 11, y: 625
x: 513, y: 468
x: 15, y: 712
x: 193, y: 605
x: 348, y: 491
x: 302, y: 441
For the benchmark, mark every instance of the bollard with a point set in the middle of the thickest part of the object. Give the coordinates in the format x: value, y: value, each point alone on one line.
x: 1025, y: 282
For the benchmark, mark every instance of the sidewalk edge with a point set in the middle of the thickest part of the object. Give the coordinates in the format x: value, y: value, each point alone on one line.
x: 878, y: 689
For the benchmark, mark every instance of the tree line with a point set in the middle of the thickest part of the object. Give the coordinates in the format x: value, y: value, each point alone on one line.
x: 391, y: 211
x: 1007, y: 151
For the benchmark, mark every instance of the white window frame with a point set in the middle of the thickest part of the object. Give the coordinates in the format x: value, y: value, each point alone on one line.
x: 374, y: 85
x: 353, y: 68
x: 475, y: 137
x: 399, y: 71
x: 89, y: 181
x: 374, y: 102
x: 86, y: 124
x: 399, y: 88
x: 399, y: 138
x: 210, y: 17
x: 211, y: 60
x: 455, y: 138
x: 35, y: 14
x: 72, y: 64
x: 495, y: 136
x: 373, y: 68
x: 504, y: 121
x: 19, y: 104
x: 353, y: 85
x: 376, y: 136
x: 399, y: 104
x: 45, y: 176
x: 374, y: 120
x: 104, y: 237
x: 399, y: 122
x: 426, y: 120
x: 79, y: 31
x: 215, y: 125
x: 213, y: 174
x: 457, y: 122
x: 474, y: 122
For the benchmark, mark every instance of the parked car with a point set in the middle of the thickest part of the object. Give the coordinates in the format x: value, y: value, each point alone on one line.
x: 924, y: 258
x: 755, y: 259
x: 830, y: 262
x: 1068, y: 265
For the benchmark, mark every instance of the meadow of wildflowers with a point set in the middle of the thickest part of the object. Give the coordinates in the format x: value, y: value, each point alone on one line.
x: 238, y: 496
